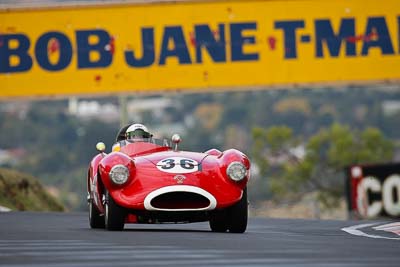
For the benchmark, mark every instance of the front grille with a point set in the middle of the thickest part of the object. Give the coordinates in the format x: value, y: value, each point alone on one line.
x: 180, y: 200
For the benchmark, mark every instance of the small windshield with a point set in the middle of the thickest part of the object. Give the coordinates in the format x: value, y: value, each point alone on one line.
x: 138, y: 133
x: 156, y: 141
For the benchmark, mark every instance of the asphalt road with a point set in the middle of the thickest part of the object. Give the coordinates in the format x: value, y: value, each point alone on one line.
x: 65, y: 239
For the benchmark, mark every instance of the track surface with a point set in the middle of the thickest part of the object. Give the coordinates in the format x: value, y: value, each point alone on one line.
x: 57, y: 239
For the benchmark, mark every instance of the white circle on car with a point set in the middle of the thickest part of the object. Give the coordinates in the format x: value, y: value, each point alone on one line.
x: 178, y: 165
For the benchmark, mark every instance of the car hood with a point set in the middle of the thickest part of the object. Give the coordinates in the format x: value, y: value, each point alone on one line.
x: 156, y: 158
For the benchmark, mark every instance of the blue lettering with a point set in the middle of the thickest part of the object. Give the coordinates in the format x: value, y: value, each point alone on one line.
x: 238, y: 41
x: 84, y: 49
x: 324, y: 33
x: 205, y: 39
x: 41, y: 51
x: 179, y: 50
x: 377, y: 35
x: 148, y: 50
x: 289, y: 31
x: 6, y: 52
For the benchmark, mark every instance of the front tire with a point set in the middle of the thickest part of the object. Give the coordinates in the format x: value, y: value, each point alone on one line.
x: 95, y: 220
x: 238, y: 215
x: 218, y: 222
x: 114, y: 215
x: 233, y: 218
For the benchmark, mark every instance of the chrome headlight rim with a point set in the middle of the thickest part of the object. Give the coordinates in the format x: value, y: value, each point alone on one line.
x: 119, y: 174
x: 236, y: 171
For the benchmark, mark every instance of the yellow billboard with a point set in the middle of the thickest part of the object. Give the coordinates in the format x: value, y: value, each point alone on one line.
x: 196, y: 45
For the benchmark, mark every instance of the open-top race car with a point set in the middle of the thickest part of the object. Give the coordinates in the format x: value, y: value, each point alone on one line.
x: 152, y: 181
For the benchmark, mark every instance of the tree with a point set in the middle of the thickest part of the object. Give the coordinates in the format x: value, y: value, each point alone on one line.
x: 268, y: 144
x: 327, y: 154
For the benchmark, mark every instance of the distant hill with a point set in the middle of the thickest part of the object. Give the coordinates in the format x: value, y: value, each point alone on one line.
x: 23, y: 192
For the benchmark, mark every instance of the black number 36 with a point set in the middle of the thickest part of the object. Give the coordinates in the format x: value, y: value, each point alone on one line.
x: 187, y: 164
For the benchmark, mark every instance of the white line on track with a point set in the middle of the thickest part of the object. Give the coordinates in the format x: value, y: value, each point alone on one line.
x: 390, y: 227
x: 355, y: 230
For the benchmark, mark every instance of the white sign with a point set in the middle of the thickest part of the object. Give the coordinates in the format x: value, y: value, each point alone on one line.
x: 178, y: 165
x: 390, y: 191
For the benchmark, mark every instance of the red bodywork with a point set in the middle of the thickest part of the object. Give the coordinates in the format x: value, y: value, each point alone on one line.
x: 181, y: 182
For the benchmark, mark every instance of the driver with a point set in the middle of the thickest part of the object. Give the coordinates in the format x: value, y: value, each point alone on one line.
x: 134, y: 133
x: 138, y: 132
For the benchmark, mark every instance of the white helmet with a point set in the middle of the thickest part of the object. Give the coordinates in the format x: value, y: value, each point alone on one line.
x: 137, y: 130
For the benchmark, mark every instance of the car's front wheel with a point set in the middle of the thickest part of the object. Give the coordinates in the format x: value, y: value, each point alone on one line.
x: 114, y: 215
x: 218, y: 221
x: 238, y: 215
x: 233, y: 218
x: 95, y: 220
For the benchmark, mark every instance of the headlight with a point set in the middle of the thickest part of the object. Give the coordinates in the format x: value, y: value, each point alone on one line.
x: 236, y: 171
x: 119, y: 174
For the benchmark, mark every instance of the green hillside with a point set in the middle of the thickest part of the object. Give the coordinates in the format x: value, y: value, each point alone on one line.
x: 20, y: 191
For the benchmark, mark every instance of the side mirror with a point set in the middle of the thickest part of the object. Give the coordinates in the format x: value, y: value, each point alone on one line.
x: 176, y: 139
x: 101, y: 147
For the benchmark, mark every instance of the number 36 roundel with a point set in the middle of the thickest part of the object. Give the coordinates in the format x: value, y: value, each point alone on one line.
x: 178, y: 165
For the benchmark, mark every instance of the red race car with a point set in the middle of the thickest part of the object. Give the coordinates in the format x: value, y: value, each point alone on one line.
x: 149, y: 181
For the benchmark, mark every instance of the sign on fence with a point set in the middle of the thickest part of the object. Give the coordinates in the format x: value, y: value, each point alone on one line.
x: 374, y: 190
